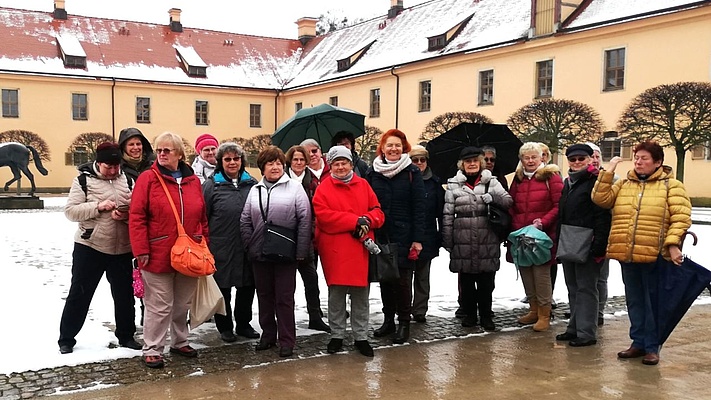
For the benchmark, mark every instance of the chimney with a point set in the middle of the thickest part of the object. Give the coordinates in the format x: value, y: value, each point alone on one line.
x: 59, y: 11
x: 307, y: 29
x: 396, y: 8
x: 175, y: 24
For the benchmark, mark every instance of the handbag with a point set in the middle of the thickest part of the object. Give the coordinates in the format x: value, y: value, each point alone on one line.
x: 574, y: 243
x: 279, y: 244
x: 138, y: 290
x: 383, y: 267
x: 187, y: 256
x: 207, y: 301
x: 498, y: 217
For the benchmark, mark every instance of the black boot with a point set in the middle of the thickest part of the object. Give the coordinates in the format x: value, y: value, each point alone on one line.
x: 403, y: 332
x: 387, y: 328
x: 317, y: 324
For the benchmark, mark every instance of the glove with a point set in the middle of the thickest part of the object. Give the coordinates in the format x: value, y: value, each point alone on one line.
x: 486, y: 198
x: 538, y: 224
x: 362, y: 227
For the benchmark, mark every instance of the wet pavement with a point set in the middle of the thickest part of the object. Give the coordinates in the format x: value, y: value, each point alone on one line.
x: 442, y: 361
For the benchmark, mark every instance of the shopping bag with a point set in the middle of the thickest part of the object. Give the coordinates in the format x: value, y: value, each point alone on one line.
x: 207, y: 301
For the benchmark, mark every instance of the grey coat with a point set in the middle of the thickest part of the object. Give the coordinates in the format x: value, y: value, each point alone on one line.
x: 474, y: 247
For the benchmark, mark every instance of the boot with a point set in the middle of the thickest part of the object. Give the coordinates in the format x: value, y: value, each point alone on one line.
x: 403, y: 332
x: 532, y: 315
x: 544, y: 319
x: 317, y: 324
x: 387, y: 328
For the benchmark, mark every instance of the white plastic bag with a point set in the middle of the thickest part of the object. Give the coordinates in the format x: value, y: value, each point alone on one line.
x: 207, y: 301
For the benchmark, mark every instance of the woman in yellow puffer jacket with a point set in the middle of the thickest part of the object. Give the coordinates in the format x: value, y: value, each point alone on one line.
x: 651, y: 212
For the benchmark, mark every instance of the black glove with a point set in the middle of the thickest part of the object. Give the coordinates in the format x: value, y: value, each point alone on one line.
x: 362, y: 227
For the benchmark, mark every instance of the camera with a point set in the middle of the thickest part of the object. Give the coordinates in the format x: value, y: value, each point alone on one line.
x: 372, y: 247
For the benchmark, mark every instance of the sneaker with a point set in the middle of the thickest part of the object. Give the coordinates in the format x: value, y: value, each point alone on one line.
x: 153, y: 361
x: 334, y: 346
x: 364, y: 347
x: 66, y: 349
x: 185, y: 351
x: 228, y: 337
x: 248, y: 332
x: 131, y: 344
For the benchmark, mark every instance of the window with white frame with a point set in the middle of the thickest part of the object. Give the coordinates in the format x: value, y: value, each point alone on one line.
x: 486, y: 87
x: 10, y: 103
x: 544, y: 79
x: 425, y: 96
x: 614, y: 69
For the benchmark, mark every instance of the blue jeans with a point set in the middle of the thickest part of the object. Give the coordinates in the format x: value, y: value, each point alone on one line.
x: 641, y: 281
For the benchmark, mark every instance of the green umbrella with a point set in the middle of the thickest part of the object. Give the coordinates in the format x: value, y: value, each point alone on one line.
x: 320, y: 123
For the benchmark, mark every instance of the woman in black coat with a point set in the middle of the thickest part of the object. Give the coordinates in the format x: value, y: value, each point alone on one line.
x: 225, y: 194
x: 401, y: 193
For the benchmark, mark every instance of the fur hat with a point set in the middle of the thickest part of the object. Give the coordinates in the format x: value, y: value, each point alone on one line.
x: 338, y: 152
x: 418, y: 151
x: 108, y: 153
x: 579, y: 150
x: 205, y: 140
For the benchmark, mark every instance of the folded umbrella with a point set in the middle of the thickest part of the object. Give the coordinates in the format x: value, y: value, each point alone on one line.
x: 320, y: 123
x: 530, y: 246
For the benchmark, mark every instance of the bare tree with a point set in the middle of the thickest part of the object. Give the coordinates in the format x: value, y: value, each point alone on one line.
x: 367, y: 144
x: 444, y: 122
x: 253, y: 146
x: 190, y: 153
x: 676, y: 116
x: 28, y: 139
x: 83, y: 148
x: 558, y: 123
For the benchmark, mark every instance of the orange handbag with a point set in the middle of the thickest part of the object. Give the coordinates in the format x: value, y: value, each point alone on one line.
x: 187, y: 256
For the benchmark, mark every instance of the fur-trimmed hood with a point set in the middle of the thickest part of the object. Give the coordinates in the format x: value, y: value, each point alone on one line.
x: 542, y: 174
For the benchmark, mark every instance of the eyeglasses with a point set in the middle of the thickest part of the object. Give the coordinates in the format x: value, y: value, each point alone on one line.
x: 418, y: 160
x: 230, y: 159
x: 490, y: 159
x: 163, y: 151
x: 577, y: 159
x: 315, y: 150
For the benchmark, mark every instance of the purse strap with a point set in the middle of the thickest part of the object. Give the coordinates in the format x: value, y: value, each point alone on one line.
x: 181, y: 229
x: 261, y: 207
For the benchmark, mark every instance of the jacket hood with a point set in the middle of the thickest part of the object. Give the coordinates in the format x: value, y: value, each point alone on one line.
x: 664, y: 172
x: 542, y: 174
x: 132, y: 132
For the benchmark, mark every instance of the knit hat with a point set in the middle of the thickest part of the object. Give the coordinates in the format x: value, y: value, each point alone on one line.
x: 108, y: 153
x: 469, y: 152
x: 419, y: 151
x: 338, y: 152
x: 205, y: 140
x: 579, y: 150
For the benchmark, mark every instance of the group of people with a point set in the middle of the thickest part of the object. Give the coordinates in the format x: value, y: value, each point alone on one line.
x: 337, y: 209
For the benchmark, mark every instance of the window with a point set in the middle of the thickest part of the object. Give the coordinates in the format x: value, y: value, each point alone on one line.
x: 77, y: 157
x: 200, y: 112
x: 333, y: 100
x: 436, y: 42
x: 544, y: 79
x: 298, y: 106
x: 425, y: 96
x: 375, y: 103
x: 344, y: 64
x: 612, y: 146
x: 698, y: 152
x: 614, y: 69
x: 143, y: 110
x: 255, y: 115
x: 486, y: 87
x: 79, y: 107
x: 10, y: 104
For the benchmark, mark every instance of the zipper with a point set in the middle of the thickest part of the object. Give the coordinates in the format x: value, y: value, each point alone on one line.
x: 636, y: 221
x: 280, y: 235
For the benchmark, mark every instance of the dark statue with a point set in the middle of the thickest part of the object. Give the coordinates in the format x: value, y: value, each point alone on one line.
x: 17, y: 157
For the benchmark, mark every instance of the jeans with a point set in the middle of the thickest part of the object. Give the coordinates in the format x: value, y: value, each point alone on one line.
x: 641, y: 280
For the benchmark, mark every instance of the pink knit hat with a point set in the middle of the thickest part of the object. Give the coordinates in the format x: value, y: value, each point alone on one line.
x: 205, y: 140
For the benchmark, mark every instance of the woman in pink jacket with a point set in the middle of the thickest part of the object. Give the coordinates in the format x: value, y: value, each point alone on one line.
x: 346, y: 210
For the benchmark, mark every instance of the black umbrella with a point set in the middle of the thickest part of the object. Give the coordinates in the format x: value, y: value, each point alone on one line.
x: 444, y: 149
x: 679, y: 286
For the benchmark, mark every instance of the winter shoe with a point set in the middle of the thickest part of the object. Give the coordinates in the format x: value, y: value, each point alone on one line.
x: 264, y: 346
x: 632, y: 352
x: 544, y: 319
x: 286, y: 351
x: 419, y: 318
x: 469, y: 321
x: 334, y: 346
x: 564, y: 337
x: 131, y: 344
x: 317, y: 324
x: 650, y: 359
x: 532, y: 315
x: 228, y: 337
x: 582, y: 342
x: 185, y: 351
x: 387, y: 328
x: 248, y: 332
x: 364, y: 347
x: 403, y: 332
x: 66, y: 349
x: 460, y: 313
x: 488, y: 324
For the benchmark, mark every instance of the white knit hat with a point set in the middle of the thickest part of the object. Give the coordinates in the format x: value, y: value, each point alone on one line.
x: 338, y: 152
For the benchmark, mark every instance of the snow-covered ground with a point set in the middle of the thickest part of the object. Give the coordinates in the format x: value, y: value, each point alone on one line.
x: 36, y: 247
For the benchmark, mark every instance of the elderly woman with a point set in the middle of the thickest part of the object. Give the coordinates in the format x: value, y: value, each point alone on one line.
x: 535, y: 191
x: 153, y: 230
x: 434, y: 202
x: 581, y: 278
x: 100, y: 206
x: 346, y: 210
x: 205, y: 163
x: 281, y: 201
x: 401, y: 193
x: 490, y: 164
x: 651, y: 212
x: 475, y: 249
x: 225, y: 193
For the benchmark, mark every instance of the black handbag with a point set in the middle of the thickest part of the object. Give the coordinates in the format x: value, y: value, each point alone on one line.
x: 279, y: 243
x: 499, y: 218
x: 383, y: 267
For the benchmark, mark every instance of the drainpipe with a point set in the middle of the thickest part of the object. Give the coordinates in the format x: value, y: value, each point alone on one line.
x: 113, y: 109
x: 397, y: 96
x: 278, y: 91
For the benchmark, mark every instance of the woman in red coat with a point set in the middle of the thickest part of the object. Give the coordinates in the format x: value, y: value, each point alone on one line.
x: 536, y: 191
x: 153, y: 231
x: 346, y: 210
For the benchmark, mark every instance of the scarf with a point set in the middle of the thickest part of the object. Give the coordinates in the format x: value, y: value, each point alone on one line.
x: 298, y: 178
x: 132, y: 162
x: 575, y: 176
x: 472, y: 179
x: 529, y: 175
x: 427, y: 174
x: 390, y: 169
x: 347, y: 179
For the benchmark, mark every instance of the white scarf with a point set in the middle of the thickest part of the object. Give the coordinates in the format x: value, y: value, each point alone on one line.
x: 391, y: 168
x: 298, y: 178
x: 529, y: 175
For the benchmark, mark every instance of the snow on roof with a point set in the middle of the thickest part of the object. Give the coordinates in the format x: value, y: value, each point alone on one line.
x: 600, y: 11
x: 190, y: 56
x: 70, y: 45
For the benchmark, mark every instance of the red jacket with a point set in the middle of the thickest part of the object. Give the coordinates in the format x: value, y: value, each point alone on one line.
x: 151, y: 223
x: 537, y: 198
x: 337, y: 207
